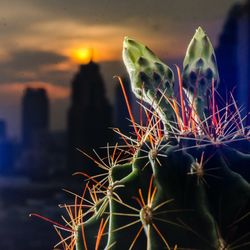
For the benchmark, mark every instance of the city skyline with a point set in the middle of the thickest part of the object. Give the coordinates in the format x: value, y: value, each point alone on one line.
x: 40, y: 39
x: 63, y: 113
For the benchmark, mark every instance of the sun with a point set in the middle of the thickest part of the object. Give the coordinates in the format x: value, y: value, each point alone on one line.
x: 82, y: 55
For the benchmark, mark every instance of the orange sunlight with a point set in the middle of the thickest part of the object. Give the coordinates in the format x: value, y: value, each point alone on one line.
x: 98, y: 52
x: 82, y: 55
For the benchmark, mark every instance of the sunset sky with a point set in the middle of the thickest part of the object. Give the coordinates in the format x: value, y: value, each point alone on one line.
x: 40, y: 42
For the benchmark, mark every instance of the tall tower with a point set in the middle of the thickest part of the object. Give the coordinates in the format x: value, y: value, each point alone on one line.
x: 35, y: 115
x: 233, y: 54
x: 243, y: 56
x: 6, y: 150
x: 89, y: 114
x: 2, y: 129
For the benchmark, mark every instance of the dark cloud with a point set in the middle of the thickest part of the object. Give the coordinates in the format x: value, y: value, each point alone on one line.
x: 40, y: 22
x: 26, y: 65
x: 33, y: 59
x: 157, y: 15
x: 109, y: 11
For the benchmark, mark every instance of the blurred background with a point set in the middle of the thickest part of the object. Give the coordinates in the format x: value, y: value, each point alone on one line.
x: 57, y: 91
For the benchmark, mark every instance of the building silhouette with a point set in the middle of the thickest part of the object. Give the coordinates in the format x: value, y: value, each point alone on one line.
x: 35, y: 116
x: 233, y: 54
x: 2, y: 129
x: 6, y: 150
x: 89, y: 115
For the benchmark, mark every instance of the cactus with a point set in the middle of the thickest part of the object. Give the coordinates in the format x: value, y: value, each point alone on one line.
x: 150, y: 77
x: 200, y: 70
x: 182, y: 187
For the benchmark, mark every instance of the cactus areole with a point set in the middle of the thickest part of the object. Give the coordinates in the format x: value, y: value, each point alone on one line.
x: 181, y: 181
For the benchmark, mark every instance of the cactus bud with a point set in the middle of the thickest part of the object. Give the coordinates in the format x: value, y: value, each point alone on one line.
x: 200, y: 68
x: 149, y: 76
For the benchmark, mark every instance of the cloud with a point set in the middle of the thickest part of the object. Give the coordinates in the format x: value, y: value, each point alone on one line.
x: 113, y: 11
x: 60, y: 24
x: 32, y: 59
x: 36, y: 65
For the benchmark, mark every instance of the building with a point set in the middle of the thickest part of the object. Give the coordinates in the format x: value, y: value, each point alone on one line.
x: 35, y: 116
x: 2, y: 130
x: 43, y: 153
x: 233, y: 55
x: 89, y: 116
x: 6, y: 150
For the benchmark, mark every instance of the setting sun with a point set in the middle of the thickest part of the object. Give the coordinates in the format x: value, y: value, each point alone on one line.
x: 82, y: 55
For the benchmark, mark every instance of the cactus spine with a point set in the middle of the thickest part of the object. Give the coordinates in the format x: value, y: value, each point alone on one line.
x: 182, y: 187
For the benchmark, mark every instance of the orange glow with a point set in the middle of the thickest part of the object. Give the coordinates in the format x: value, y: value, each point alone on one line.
x: 82, y: 55
x: 98, y: 52
x: 16, y: 89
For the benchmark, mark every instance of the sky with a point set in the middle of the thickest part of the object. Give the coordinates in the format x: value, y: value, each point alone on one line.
x: 40, y: 41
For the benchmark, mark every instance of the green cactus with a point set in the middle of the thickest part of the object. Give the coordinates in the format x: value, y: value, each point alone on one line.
x: 185, y: 187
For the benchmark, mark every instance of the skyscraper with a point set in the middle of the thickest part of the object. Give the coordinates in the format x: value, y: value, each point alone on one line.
x: 2, y: 129
x: 233, y: 54
x: 6, y: 150
x: 89, y: 114
x: 35, y: 115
